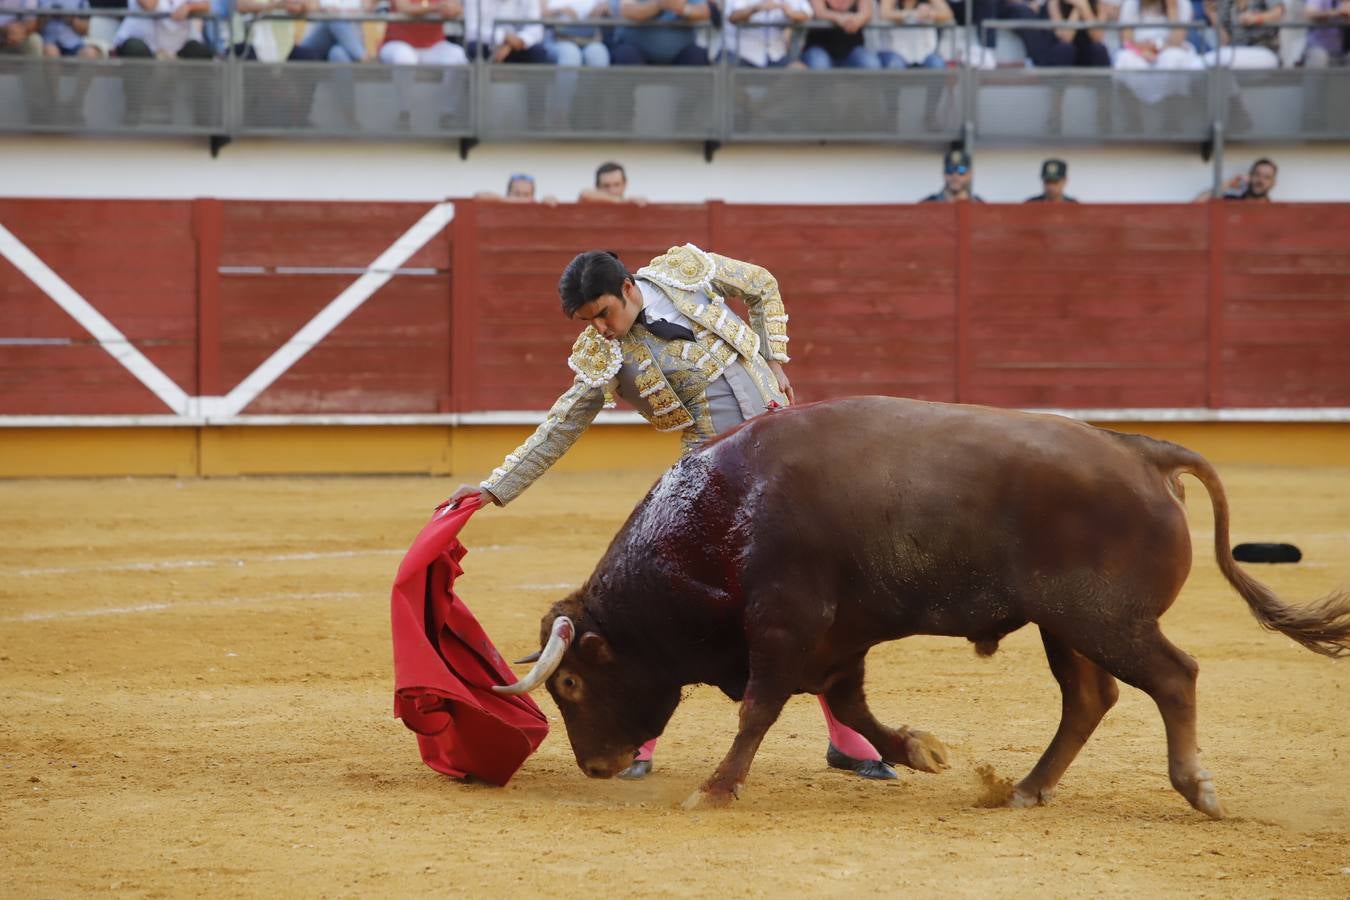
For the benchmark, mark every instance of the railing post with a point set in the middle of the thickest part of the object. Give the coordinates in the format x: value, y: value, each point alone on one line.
x: 463, y: 304
x: 963, y: 211
x: 206, y: 231
x: 1216, y: 211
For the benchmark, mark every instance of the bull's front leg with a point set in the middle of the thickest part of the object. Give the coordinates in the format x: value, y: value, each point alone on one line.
x: 775, y: 666
x: 760, y: 708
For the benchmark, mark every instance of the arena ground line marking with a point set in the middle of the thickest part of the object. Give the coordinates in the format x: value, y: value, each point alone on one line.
x: 82, y: 311
x: 94, y: 612
x: 376, y: 275
x: 158, y: 565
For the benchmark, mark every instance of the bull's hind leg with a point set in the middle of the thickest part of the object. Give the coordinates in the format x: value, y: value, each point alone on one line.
x: 1152, y: 663
x: 915, y: 749
x: 1088, y: 692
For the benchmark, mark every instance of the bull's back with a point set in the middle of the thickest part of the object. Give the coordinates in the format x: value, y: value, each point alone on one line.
x: 945, y: 518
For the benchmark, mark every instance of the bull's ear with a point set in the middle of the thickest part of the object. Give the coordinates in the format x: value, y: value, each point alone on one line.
x: 595, y: 649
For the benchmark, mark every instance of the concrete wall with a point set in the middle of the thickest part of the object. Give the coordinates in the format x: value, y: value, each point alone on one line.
x: 38, y: 166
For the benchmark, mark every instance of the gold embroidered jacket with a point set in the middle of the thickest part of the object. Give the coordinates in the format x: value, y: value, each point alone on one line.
x: 665, y: 380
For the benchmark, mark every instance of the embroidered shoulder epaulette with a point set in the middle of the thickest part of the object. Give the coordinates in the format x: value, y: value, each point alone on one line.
x: 595, y: 359
x: 685, y: 268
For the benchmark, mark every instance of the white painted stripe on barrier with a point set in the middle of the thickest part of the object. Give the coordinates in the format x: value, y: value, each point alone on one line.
x: 35, y: 342
x: 79, y: 309
x: 377, y: 275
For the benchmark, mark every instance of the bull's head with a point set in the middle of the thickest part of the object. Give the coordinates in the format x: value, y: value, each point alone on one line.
x: 611, y: 703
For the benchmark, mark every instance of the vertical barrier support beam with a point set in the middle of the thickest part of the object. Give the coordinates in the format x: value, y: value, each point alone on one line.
x: 1214, y: 392
x: 207, y: 227
x: 963, y: 212
x: 445, y: 399
x: 717, y: 213
x: 463, y: 304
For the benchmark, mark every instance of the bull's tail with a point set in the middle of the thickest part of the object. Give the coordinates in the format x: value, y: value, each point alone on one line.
x: 1323, y: 626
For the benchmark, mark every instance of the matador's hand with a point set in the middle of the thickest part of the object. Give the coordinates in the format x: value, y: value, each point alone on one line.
x: 469, y: 490
x: 783, y: 384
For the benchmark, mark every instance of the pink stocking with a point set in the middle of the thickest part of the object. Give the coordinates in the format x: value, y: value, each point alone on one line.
x: 647, y: 749
x: 845, y: 739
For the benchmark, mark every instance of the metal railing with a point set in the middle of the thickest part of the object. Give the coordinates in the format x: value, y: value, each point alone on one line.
x: 231, y: 96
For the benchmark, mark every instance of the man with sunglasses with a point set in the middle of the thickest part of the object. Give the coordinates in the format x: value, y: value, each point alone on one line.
x: 956, y: 177
x: 664, y: 339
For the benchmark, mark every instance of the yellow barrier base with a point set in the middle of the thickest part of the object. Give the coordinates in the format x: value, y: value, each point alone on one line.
x: 471, y: 451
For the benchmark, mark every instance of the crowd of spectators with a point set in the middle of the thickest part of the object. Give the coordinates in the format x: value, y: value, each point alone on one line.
x: 958, y: 176
x: 815, y: 34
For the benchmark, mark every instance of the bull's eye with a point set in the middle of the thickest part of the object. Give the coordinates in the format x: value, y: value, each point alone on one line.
x: 569, y: 682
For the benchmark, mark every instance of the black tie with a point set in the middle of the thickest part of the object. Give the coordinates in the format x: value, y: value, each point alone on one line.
x: 667, y: 330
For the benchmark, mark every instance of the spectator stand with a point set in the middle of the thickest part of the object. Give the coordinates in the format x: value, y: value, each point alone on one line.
x: 851, y: 104
x: 1210, y: 104
x: 996, y: 97
x: 113, y: 95
x: 365, y: 99
x: 617, y: 102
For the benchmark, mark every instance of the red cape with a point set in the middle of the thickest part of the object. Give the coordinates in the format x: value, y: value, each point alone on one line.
x: 445, y: 666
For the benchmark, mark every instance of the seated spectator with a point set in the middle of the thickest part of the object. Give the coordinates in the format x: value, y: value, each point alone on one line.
x: 1245, y: 40
x: 655, y: 45
x: 66, y: 35
x: 579, y: 45
x: 957, y: 174
x: 758, y: 32
x: 1068, y: 47
x: 1083, y: 47
x: 1326, y: 43
x: 335, y: 39
x: 163, y: 38
x: 424, y: 43
x: 410, y: 43
x: 1054, y: 179
x: 841, y: 45
x: 19, y: 34
x: 611, y: 186
x: 271, y: 40
x: 1156, y: 47
x: 519, y: 189
x: 1253, y: 187
x: 505, y: 43
x: 912, y: 48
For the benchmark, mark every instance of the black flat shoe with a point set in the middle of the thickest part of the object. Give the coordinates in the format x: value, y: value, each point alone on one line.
x: 640, y: 768
x: 863, y: 768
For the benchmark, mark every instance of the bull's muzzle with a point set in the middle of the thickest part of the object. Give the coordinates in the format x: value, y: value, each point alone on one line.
x: 559, y: 639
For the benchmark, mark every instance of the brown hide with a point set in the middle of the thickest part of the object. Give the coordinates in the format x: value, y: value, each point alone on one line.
x: 770, y: 561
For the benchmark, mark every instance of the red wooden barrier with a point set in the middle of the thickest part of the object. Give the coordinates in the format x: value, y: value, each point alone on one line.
x: 1220, y: 305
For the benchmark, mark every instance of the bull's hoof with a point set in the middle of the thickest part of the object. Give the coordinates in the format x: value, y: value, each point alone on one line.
x: 1204, y: 797
x: 712, y: 798
x: 1022, y: 798
x: 924, y: 753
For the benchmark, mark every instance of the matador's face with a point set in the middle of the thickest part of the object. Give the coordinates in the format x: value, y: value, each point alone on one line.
x: 612, y: 315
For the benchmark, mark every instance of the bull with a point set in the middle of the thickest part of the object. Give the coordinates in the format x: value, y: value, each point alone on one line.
x: 771, y: 560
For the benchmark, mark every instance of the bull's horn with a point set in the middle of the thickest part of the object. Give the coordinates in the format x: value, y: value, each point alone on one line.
x: 558, y: 641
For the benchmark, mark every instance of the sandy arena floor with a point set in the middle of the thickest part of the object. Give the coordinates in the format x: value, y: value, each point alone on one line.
x: 195, y: 693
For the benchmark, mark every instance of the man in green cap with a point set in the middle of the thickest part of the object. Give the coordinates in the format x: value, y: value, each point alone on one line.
x: 1054, y: 178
